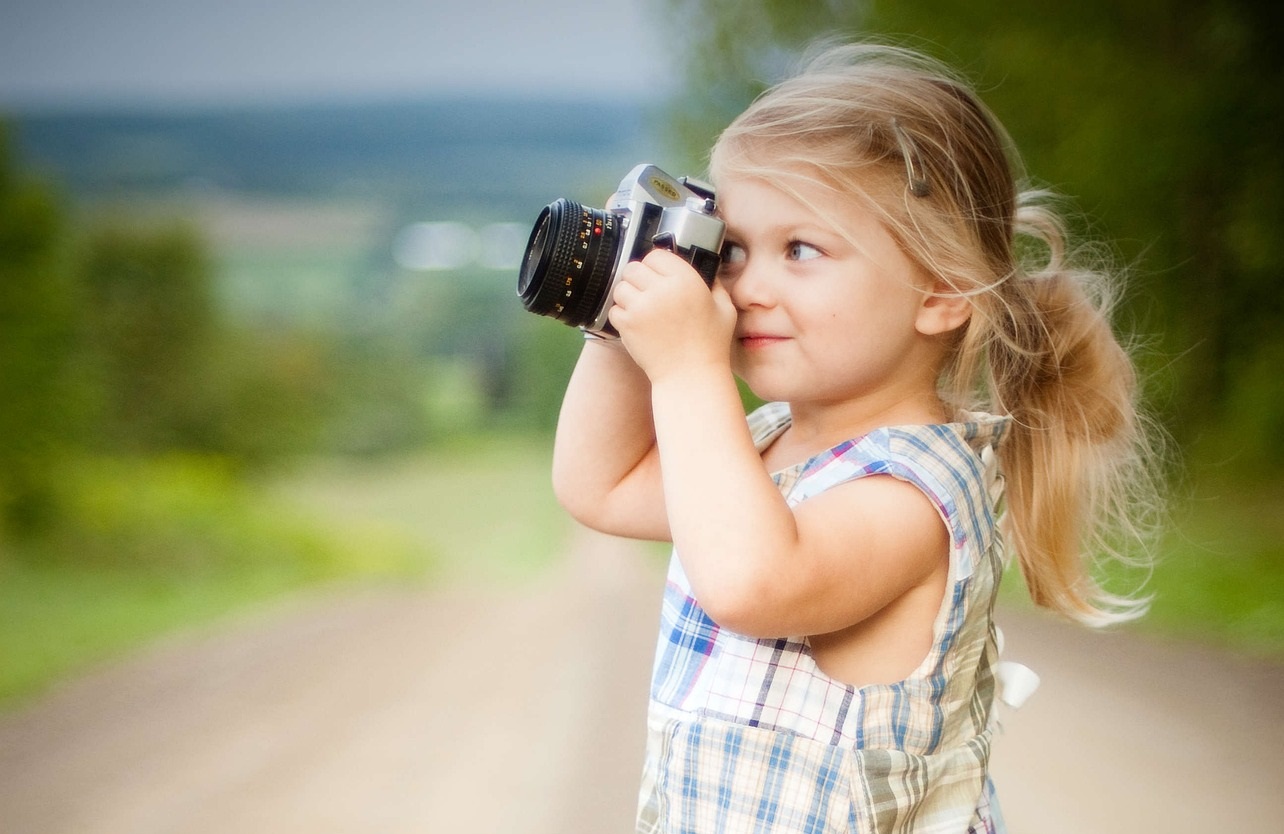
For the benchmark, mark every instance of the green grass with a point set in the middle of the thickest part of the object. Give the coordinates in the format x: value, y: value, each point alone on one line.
x: 151, y: 547
x: 56, y: 620
x: 166, y: 545
x: 1218, y: 577
x: 484, y: 507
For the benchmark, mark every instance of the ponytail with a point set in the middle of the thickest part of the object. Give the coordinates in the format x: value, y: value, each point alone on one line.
x: 1078, y: 459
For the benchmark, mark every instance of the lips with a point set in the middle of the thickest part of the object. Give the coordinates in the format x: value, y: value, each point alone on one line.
x: 759, y: 340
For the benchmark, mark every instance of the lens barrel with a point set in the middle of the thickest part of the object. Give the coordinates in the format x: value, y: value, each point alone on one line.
x: 569, y: 259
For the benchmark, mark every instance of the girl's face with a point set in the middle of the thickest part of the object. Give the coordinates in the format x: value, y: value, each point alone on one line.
x: 823, y: 317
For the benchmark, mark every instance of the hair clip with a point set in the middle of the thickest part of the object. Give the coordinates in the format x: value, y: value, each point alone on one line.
x: 913, y: 172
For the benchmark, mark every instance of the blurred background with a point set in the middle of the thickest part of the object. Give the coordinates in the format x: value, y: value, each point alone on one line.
x: 257, y: 262
x: 260, y: 260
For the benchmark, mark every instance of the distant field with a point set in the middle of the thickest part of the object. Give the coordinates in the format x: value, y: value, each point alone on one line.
x: 294, y: 261
x: 484, y: 509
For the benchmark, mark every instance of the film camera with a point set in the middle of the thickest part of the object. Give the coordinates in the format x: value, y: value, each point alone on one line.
x: 575, y: 253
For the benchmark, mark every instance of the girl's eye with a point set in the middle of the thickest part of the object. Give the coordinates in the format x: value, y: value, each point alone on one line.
x: 799, y: 251
x: 733, y: 253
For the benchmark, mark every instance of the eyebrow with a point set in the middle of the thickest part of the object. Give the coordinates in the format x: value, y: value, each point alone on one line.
x: 788, y: 231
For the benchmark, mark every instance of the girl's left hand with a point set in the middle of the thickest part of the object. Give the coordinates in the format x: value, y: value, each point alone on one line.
x: 668, y: 319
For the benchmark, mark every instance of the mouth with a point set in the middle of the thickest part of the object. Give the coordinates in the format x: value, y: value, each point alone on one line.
x: 753, y: 341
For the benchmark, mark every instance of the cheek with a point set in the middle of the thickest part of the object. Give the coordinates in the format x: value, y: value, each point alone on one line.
x: 871, y: 322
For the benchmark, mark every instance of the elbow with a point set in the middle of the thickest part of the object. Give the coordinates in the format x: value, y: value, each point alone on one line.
x: 572, y: 496
x: 581, y: 512
x: 616, y: 506
x: 583, y: 500
x: 745, y: 606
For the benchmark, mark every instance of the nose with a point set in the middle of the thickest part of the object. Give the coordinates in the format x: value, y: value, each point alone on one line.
x: 749, y: 285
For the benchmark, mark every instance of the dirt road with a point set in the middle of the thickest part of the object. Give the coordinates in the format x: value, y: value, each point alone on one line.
x: 521, y: 710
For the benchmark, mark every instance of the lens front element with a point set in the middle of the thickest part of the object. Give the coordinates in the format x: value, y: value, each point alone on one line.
x: 568, y: 262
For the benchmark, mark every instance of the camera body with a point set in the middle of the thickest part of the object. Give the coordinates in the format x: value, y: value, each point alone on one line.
x: 575, y: 253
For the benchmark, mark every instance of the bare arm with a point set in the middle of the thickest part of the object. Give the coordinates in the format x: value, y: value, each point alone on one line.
x: 605, y: 463
x: 758, y: 566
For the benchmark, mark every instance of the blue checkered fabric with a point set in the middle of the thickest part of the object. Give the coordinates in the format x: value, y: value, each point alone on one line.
x: 749, y: 735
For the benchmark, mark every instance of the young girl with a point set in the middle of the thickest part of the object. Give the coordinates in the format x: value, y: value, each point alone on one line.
x: 827, y: 651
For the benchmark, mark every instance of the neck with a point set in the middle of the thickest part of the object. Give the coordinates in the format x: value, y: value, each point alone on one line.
x: 815, y: 427
x: 852, y: 419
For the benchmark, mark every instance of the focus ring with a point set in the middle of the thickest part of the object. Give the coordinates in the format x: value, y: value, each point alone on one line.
x: 568, y: 262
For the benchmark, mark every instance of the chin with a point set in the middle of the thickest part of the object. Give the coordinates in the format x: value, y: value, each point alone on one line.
x: 768, y: 392
x: 769, y: 384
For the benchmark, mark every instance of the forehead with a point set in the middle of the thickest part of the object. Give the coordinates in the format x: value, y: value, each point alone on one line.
x: 793, y: 199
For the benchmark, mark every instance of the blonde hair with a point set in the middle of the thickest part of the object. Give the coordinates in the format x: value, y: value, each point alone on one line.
x: 912, y: 141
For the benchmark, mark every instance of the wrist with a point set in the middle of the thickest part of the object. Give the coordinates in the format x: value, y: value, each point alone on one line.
x: 691, y: 378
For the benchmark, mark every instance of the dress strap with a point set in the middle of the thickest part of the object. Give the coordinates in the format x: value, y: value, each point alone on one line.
x: 767, y: 422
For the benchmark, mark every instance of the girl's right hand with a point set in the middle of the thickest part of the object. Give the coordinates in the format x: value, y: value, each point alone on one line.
x: 668, y: 319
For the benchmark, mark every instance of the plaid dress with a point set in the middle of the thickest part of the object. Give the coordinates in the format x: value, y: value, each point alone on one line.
x: 748, y: 735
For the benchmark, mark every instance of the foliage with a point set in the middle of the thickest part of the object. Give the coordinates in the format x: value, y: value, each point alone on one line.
x: 150, y: 326
x: 187, y: 515
x: 173, y: 371
x: 543, y: 354
x: 112, y: 341
x: 147, y: 546
x: 1161, y: 119
x: 38, y: 314
x: 1220, y: 578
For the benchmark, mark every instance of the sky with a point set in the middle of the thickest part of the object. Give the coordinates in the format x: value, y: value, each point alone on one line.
x: 192, y: 52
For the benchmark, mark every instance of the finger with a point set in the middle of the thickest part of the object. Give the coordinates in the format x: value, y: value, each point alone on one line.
x: 624, y: 291
x: 637, y: 274
x: 721, y: 297
x: 665, y: 262
x: 623, y: 320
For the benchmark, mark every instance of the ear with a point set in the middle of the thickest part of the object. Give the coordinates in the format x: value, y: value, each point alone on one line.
x: 943, y: 309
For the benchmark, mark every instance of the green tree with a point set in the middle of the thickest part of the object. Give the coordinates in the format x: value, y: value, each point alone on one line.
x: 542, y: 359
x: 150, y: 326
x: 40, y: 401
x: 172, y: 373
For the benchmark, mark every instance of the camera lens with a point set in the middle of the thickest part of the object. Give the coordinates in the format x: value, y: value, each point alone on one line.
x: 568, y: 262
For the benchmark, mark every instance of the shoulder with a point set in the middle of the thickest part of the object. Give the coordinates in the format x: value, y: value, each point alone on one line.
x: 953, y: 453
x: 953, y: 464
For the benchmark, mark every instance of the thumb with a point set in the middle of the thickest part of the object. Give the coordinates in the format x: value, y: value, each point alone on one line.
x: 722, y: 302
x: 722, y: 298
